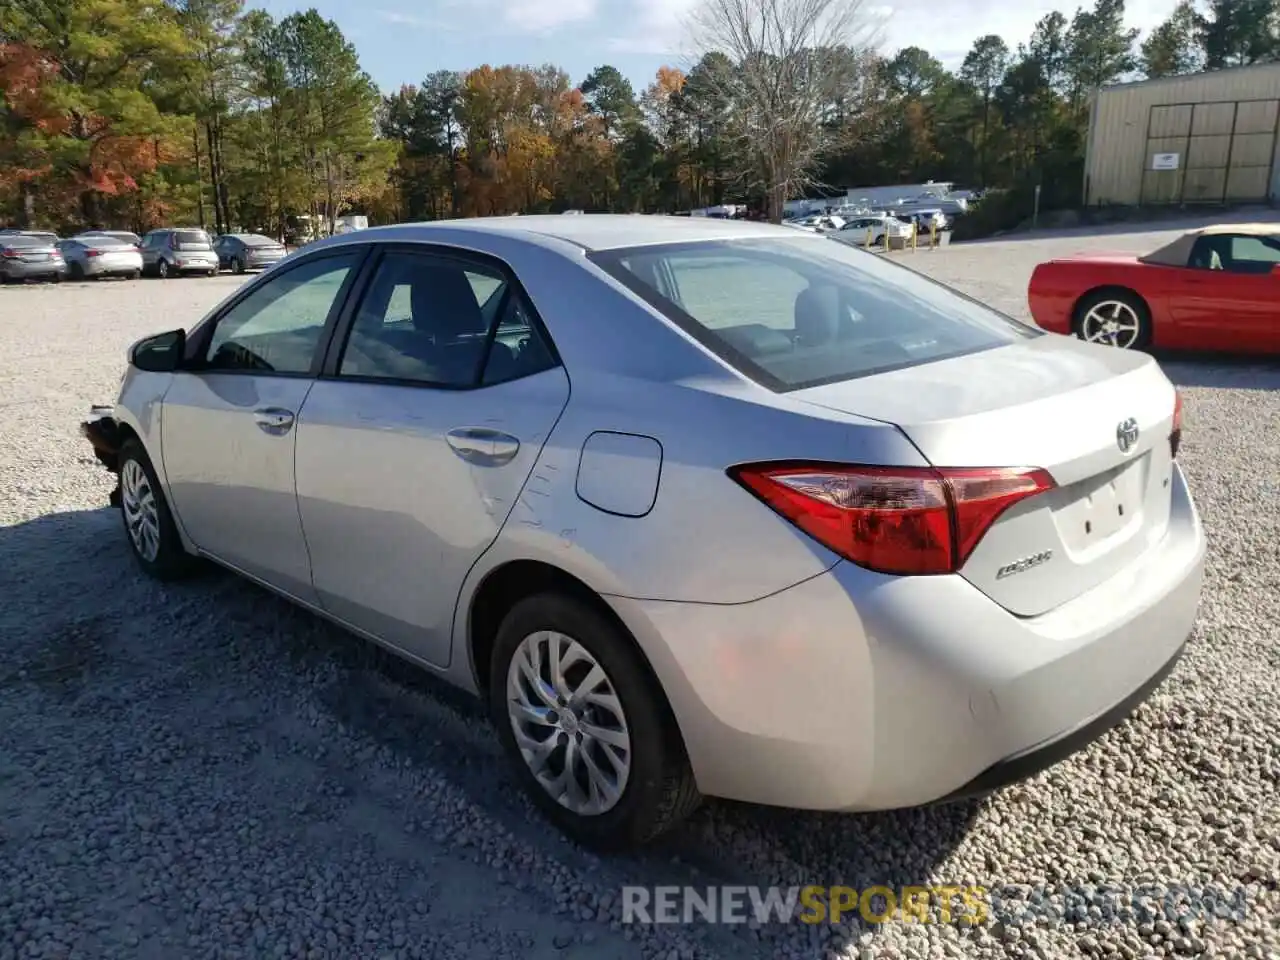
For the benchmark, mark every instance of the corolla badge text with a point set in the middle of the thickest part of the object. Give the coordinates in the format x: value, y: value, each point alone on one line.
x: 1026, y: 563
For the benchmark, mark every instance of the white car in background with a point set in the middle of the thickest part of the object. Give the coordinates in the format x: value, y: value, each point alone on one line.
x: 820, y: 223
x: 874, y: 229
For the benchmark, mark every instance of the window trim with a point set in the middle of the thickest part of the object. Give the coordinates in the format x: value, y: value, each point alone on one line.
x: 201, y: 336
x: 610, y: 261
x: 337, y: 344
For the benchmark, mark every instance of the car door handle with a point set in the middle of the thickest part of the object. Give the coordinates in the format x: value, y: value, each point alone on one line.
x: 483, y: 446
x: 274, y: 420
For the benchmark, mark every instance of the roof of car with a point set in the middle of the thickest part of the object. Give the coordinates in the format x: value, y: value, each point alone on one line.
x: 597, y: 231
x: 1177, y: 252
x: 1248, y: 229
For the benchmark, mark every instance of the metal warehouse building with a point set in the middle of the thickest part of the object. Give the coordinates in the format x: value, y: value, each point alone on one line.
x: 1204, y: 138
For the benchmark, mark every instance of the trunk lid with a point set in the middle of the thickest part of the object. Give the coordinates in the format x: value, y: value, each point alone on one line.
x: 1054, y: 403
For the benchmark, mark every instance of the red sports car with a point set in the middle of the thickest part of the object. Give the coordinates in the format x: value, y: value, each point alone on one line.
x: 1216, y: 288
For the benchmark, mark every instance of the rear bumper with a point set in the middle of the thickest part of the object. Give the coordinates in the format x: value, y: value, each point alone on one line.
x: 856, y: 691
x: 31, y: 271
x: 99, y: 268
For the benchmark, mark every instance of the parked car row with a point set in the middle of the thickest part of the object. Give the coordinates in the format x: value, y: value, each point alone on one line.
x: 167, y: 252
x: 871, y: 229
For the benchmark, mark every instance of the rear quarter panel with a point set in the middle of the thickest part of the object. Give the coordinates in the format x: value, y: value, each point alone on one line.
x: 1058, y: 286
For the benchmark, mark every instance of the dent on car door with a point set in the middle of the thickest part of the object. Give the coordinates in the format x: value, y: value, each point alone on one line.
x: 228, y: 422
x: 417, y: 440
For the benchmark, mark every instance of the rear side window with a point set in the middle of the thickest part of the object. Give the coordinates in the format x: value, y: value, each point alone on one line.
x: 793, y: 313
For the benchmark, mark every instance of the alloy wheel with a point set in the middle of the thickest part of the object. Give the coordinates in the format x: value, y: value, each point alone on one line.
x: 141, y: 514
x: 568, y: 723
x: 1112, y: 322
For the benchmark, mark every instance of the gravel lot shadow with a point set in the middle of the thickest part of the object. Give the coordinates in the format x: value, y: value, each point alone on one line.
x: 309, y: 737
x: 1232, y: 372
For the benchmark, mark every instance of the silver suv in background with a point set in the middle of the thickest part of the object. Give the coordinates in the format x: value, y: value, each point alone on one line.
x: 173, y: 250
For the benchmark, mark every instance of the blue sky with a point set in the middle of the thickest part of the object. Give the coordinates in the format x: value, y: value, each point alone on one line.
x: 401, y: 41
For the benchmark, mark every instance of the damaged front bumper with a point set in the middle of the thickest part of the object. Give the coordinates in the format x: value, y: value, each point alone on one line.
x: 103, y: 433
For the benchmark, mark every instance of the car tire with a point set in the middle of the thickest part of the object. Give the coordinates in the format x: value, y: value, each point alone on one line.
x: 143, y: 505
x: 237, y: 265
x: 56, y: 278
x: 135, y: 274
x: 1129, y: 308
x: 659, y: 789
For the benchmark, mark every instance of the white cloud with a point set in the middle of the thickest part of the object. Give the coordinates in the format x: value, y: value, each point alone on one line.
x: 518, y: 16
x: 544, y: 16
x: 945, y: 30
x: 948, y: 31
x: 403, y: 19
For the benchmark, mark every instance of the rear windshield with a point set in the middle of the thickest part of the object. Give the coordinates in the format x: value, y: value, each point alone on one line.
x: 190, y: 238
x: 257, y: 240
x: 799, y: 312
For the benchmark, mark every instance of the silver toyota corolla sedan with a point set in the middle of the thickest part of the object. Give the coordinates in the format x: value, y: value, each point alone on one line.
x: 699, y: 507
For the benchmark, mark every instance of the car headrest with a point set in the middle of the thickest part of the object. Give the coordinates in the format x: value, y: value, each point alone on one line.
x: 444, y: 303
x: 817, y: 315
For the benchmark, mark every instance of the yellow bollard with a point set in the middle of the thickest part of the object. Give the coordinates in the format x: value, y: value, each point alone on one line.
x: 866, y: 237
x: 915, y: 230
x: 933, y: 234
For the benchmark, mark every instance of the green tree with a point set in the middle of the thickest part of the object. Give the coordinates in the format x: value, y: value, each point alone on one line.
x: 1173, y: 47
x: 333, y: 106
x: 983, y: 69
x: 212, y: 86
x: 1240, y: 32
x: 1099, y: 50
x: 610, y: 96
x: 92, y: 126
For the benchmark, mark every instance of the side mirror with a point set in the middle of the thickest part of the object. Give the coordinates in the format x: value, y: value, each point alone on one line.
x: 159, y: 354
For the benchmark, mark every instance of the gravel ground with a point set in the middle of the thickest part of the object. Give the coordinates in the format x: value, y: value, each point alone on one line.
x: 204, y: 771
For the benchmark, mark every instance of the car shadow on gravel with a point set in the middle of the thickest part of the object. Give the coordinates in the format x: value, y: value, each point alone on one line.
x: 1220, y: 371
x: 73, y: 598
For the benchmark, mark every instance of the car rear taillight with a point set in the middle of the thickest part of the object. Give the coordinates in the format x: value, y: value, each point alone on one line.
x: 9, y: 253
x: 899, y: 520
x: 1175, y: 436
x: 93, y: 253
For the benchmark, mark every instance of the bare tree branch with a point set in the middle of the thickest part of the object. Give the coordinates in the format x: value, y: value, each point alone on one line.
x: 799, y: 64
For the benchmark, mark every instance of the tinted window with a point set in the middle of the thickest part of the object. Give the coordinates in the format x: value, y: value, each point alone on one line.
x: 257, y: 240
x: 190, y: 239
x: 791, y: 313
x: 277, y: 327
x: 429, y: 320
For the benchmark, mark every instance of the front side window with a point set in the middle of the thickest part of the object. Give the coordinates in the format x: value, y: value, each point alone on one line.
x: 278, y: 326
x: 441, y: 322
x: 792, y: 313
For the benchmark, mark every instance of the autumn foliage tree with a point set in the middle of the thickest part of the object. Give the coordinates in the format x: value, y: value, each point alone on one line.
x: 132, y: 113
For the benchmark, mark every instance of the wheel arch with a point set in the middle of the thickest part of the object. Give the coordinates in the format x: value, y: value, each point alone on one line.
x: 508, y: 584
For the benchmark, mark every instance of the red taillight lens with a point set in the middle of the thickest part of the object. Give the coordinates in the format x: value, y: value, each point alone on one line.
x: 899, y: 520
x: 8, y: 253
x: 93, y: 253
x: 1175, y: 436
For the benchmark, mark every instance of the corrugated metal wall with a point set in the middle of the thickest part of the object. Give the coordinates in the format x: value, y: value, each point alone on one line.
x: 1223, y: 126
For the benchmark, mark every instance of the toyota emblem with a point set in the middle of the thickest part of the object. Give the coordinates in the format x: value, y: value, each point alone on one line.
x: 1127, y: 435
